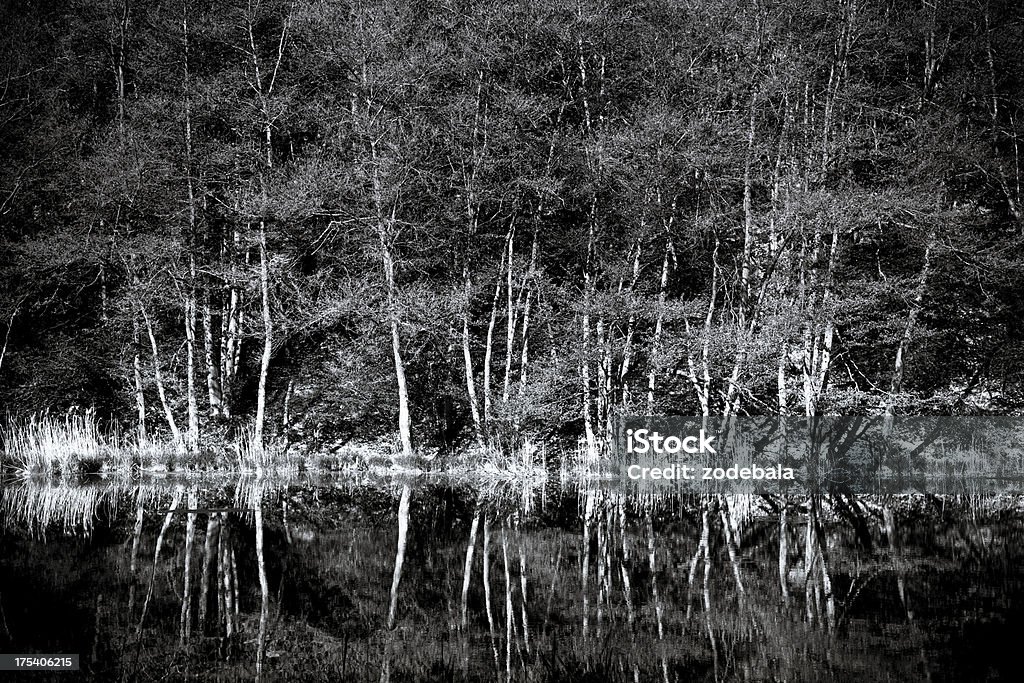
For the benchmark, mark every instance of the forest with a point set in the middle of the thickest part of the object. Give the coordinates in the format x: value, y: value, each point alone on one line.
x: 450, y: 223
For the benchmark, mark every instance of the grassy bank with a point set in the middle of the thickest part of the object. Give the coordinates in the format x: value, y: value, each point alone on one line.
x: 75, y: 445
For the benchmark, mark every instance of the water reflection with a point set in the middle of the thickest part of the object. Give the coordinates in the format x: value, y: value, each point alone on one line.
x: 392, y: 581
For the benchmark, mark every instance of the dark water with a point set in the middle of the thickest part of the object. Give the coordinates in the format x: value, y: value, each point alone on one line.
x: 367, y: 581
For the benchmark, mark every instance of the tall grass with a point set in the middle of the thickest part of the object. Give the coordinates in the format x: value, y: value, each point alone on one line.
x: 252, y: 454
x: 73, y: 444
x: 47, y: 444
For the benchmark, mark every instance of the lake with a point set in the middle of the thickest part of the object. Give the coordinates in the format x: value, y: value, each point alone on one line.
x: 434, y: 579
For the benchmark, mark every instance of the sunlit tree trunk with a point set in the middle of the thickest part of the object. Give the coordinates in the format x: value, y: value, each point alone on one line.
x: 700, y: 375
x: 747, y: 303
x: 140, y: 396
x: 231, y: 343
x: 511, y: 322
x: 268, y: 339
x: 264, y: 87
x: 492, y: 323
x: 7, y: 336
x: 627, y: 345
x: 528, y: 286
x: 467, y: 357
x: 404, y: 422
x: 659, y: 322
x: 190, y: 364
x: 212, y: 357
x: 819, y: 330
x: 471, y: 168
x: 899, y: 368
x: 191, y: 302
x: 158, y: 375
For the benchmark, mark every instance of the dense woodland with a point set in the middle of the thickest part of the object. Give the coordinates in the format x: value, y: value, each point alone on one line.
x: 472, y: 221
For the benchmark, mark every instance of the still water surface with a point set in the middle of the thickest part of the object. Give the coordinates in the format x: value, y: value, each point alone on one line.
x: 391, y: 580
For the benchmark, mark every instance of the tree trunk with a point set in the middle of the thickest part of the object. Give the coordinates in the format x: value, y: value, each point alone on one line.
x: 230, y: 348
x: 510, y: 328
x: 627, y: 344
x: 467, y: 358
x: 404, y: 423
x: 659, y: 323
x: 190, y: 298
x: 7, y: 336
x: 908, y: 332
x: 268, y: 339
x: 140, y: 396
x: 212, y: 349
x: 190, y: 367
x: 489, y: 345
x: 161, y: 392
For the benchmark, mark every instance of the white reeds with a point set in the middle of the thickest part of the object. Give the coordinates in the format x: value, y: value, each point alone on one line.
x: 252, y: 454
x: 47, y: 443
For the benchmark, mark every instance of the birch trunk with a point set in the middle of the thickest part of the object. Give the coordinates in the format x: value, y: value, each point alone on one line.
x: 230, y: 347
x: 404, y: 424
x: 627, y: 344
x: 492, y: 323
x: 510, y: 329
x: 190, y: 301
x: 268, y: 339
x: 190, y: 366
x: 161, y: 392
x: 386, y: 233
x: 659, y: 322
x: 140, y: 396
x: 7, y: 336
x: 906, y: 338
x: 467, y: 358
x: 265, y: 90
x: 212, y: 356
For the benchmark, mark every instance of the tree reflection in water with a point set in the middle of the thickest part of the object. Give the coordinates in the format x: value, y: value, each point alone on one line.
x: 269, y: 580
